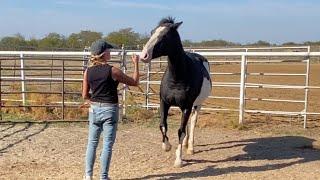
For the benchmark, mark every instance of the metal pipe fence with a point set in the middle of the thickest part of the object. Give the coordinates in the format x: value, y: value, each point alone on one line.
x: 64, y: 62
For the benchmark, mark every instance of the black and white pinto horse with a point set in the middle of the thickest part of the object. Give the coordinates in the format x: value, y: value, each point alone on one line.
x: 186, y: 82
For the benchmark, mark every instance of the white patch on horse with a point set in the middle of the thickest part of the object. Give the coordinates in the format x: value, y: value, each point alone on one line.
x: 194, y: 119
x: 178, y: 162
x: 205, y: 88
x: 156, y: 36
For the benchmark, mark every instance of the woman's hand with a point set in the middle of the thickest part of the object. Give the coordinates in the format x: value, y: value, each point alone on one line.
x: 135, y: 58
x: 85, y: 104
x: 118, y: 75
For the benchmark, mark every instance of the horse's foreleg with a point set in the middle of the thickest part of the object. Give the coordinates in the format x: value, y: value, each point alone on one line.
x: 164, y: 108
x: 193, y: 122
x: 181, y: 134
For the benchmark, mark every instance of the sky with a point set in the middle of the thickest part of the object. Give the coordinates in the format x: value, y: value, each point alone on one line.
x: 241, y: 21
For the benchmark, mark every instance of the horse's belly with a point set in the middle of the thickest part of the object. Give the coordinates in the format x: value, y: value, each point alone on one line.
x: 204, y: 93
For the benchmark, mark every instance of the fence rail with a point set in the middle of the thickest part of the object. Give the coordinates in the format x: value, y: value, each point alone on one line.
x: 120, y: 56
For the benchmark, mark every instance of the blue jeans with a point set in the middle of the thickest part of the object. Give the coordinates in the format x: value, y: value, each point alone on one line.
x: 103, y: 118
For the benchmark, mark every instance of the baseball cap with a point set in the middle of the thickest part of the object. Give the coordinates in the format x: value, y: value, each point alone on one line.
x: 99, y: 47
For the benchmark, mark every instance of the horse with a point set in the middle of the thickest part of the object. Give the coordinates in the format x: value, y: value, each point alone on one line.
x: 186, y: 82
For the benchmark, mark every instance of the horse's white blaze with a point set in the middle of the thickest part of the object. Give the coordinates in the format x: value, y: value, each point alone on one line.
x: 148, y: 48
x: 205, y: 88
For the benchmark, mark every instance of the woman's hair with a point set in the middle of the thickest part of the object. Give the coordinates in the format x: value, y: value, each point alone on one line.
x: 97, y: 60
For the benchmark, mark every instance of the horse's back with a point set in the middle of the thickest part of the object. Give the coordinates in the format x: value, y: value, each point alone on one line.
x: 201, y: 62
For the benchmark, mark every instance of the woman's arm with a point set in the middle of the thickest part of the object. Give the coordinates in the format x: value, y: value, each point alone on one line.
x: 118, y: 75
x: 85, y: 86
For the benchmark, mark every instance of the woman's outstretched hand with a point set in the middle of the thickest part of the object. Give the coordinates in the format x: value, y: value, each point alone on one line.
x: 135, y: 58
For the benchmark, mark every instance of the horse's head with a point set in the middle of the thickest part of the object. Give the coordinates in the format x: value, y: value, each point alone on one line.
x: 164, y: 39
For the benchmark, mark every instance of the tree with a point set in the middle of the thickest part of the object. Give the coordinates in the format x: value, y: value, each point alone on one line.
x: 187, y: 43
x: 220, y: 43
x: 52, y: 41
x: 32, y: 44
x: 312, y: 43
x: 124, y: 36
x: 82, y: 39
x: 261, y: 43
x: 16, y: 42
x: 290, y: 44
x: 74, y: 41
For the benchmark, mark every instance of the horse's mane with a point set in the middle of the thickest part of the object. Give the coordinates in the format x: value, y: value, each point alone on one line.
x: 167, y: 20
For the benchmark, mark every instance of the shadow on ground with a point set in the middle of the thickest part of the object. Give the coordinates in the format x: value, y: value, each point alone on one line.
x: 294, y: 149
x: 19, y: 135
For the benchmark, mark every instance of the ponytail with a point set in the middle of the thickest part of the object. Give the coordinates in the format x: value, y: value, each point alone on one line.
x: 97, y: 60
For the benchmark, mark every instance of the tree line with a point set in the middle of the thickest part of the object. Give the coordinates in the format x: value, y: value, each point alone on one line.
x: 126, y: 37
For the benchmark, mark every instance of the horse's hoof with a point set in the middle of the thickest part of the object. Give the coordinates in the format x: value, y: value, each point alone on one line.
x: 166, y: 146
x: 179, y: 164
x: 190, y: 151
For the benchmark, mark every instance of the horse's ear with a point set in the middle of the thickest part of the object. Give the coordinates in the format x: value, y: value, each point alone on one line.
x: 176, y: 25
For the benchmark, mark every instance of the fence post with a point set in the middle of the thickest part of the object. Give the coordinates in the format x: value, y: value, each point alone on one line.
x: 306, y: 94
x: 62, y: 91
x: 124, y: 93
x: 85, y: 60
x: 148, y: 84
x: 0, y: 91
x: 51, y: 74
x: 242, y: 89
x: 22, y: 75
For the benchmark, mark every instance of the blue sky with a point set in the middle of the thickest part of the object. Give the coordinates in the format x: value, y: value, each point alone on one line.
x: 242, y: 21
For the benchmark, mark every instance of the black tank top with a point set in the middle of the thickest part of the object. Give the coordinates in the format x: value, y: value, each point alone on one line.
x: 103, y: 87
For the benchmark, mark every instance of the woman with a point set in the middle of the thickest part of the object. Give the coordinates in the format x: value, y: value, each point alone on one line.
x: 103, y: 79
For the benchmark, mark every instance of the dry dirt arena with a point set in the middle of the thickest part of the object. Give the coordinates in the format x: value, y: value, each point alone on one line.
x: 56, y: 151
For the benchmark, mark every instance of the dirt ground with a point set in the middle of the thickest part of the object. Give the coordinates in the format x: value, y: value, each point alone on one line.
x: 260, y: 151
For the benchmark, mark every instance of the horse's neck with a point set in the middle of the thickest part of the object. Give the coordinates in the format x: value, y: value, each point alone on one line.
x: 177, y: 65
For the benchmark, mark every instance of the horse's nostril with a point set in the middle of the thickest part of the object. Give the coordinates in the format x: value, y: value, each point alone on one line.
x: 145, y: 56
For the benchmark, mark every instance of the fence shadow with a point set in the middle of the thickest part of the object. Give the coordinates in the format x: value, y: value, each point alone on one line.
x: 288, y: 148
x: 21, y: 138
x: 27, y: 126
x: 9, y: 127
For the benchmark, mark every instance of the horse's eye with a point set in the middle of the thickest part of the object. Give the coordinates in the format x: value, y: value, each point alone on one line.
x: 152, y: 32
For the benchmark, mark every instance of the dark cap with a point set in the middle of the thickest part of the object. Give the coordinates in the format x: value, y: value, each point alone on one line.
x: 99, y: 47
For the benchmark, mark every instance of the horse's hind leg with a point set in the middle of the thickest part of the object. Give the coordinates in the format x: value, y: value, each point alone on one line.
x: 193, y: 122
x: 164, y: 108
x: 186, y: 138
x: 181, y: 134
